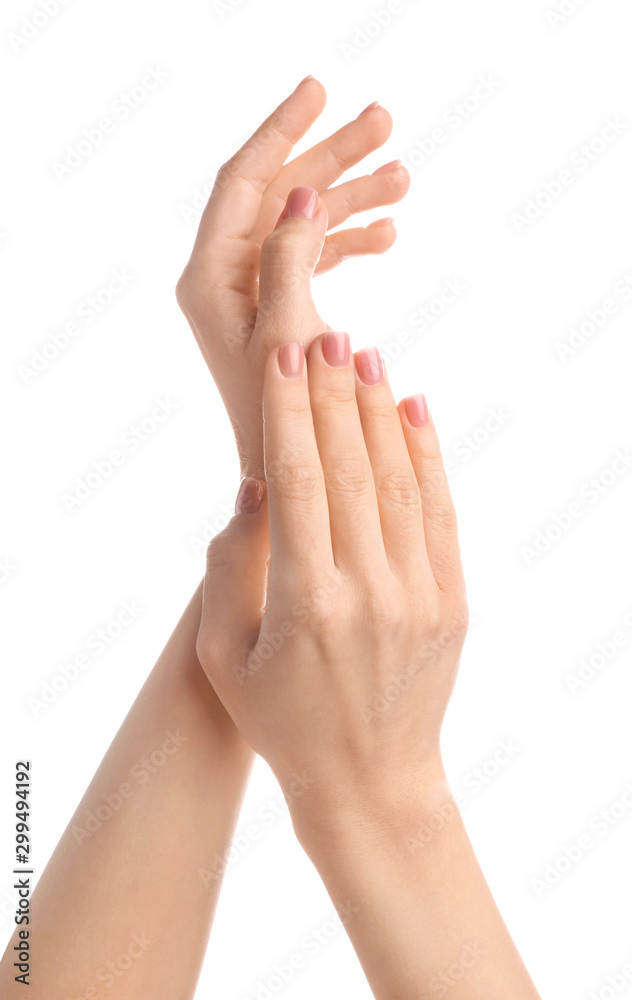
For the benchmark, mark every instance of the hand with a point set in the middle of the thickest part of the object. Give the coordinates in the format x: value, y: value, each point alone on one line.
x: 235, y: 325
x: 342, y: 683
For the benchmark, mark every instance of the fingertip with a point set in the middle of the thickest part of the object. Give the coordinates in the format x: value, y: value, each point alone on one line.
x: 304, y: 203
x: 414, y: 411
x: 387, y: 168
x: 375, y: 109
x: 380, y: 119
x: 386, y: 221
x: 316, y: 90
x: 291, y: 359
x: 250, y: 496
x: 385, y: 235
x: 369, y: 367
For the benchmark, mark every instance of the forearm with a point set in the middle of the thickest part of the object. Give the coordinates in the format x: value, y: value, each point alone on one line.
x: 138, y: 870
x: 413, y: 898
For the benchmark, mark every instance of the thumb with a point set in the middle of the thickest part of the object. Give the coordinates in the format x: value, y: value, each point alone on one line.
x: 235, y: 586
x: 288, y: 259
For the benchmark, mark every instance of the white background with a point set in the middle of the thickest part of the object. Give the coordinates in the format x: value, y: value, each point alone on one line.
x: 535, y: 618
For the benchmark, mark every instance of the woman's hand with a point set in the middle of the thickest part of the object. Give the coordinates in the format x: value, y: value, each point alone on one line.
x: 343, y: 682
x: 241, y: 237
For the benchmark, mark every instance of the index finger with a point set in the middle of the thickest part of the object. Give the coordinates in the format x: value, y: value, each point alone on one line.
x: 235, y: 200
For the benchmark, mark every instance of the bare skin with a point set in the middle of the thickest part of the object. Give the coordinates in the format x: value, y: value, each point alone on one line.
x: 194, y: 797
x: 248, y: 278
x: 386, y: 549
x: 174, y: 775
x: 359, y: 522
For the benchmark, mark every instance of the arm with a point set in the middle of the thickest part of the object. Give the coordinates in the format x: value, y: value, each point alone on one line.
x: 123, y: 904
x: 150, y: 870
x: 366, y: 613
x: 415, y: 902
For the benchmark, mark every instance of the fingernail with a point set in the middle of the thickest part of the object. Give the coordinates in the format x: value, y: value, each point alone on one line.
x: 302, y: 203
x: 369, y: 366
x: 370, y: 107
x: 306, y: 78
x: 291, y: 360
x: 249, y: 497
x: 417, y: 410
x: 336, y: 349
x: 386, y: 169
x: 381, y: 222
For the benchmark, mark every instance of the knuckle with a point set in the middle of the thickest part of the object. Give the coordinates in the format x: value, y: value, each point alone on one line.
x: 439, y: 508
x: 434, y: 478
x: 294, y: 482
x: 201, y: 648
x: 430, y: 614
x: 279, y: 127
x: 226, y: 172
x: 384, y: 414
x: 335, y: 394
x: 224, y: 548
x: 317, y: 601
x: 349, y: 477
x: 458, y: 616
x: 192, y: 290
x: 400, y: 488
x: 282, y: 255
x: 384, y: 609
x: 281, y: 246
x: 323, y: 614
x: 337, y: 158
x: 183, y: 291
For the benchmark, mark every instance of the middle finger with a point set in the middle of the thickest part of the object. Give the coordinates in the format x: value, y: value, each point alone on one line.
x: 356, y: 535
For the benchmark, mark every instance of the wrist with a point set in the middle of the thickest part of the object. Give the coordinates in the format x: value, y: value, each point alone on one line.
x: 379, y: 814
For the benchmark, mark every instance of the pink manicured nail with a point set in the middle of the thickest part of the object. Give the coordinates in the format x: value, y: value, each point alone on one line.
x: 370, y: 107
x: 380, y: 222
x: 306, y: 78
x: 249, y: 497
x: 336, y: 349
x: 302, y: 203
x: 386, y: 169
x: 417, y: 410
x: 291, y: 360
x: 369, y: 366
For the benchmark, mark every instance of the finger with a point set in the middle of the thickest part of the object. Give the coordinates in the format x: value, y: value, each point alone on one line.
x: 378, y: 237
x: 364, y: 193
x: 288, y: 260
x: 356, y: 535
x: 235, y: 583
x: 299, y: 521
x: 439, y: 516
x: 324, y: 163
x: 396, y: 487
x: 235, y: 200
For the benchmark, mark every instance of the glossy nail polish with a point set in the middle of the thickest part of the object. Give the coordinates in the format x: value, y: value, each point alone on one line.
x: 291, y: 360
x: 388, y: 167
x: 249, y: 497
x: 336, y: 349
x: 369, y: 366
x: 417, y: 410
x: 302, y: 203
